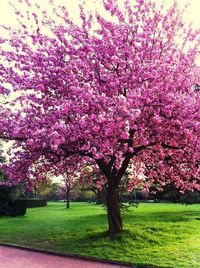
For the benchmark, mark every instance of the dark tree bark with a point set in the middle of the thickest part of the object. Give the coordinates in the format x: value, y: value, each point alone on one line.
x: 113, y: 210
x: 98, y: 197
x: 35, y: 192
x: 113, y: 198
x: 67, y: 199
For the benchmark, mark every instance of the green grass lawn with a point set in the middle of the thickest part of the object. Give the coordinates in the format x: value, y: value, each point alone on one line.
x: 167, y: 235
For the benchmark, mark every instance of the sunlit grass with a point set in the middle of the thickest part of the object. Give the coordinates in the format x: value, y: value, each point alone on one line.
x: 167, y: 235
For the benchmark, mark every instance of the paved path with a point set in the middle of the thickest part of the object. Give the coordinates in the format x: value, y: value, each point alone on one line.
x: 20, y: 258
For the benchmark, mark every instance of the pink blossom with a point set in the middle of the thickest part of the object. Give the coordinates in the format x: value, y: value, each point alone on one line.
x: 117, y: 98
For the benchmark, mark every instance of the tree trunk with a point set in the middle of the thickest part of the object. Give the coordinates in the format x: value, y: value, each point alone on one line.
x: 67, y: 199
x: 113, y: 210
x: 35, y: 192
x: 98, y: 197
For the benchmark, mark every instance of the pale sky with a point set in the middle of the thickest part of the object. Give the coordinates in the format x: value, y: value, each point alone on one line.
x: 7, y: 17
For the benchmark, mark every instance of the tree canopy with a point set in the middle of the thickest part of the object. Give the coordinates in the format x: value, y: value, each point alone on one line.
x: 117, y: 90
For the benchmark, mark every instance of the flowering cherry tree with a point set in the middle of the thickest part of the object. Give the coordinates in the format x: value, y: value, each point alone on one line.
x: 71, y: 172
x: 117, y: 91
x: 70, y: 183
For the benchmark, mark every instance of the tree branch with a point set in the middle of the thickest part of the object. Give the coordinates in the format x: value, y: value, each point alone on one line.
x: 105, y: 169
x: 13, y: 138
x: 166, y: 146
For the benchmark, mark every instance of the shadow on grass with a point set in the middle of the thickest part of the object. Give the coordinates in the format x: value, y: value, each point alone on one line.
x: 180, y: 216
x: 97, y: 222
x: 86, y: 234
x: 99, y: 239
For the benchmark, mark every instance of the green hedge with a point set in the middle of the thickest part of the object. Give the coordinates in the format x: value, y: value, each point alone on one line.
x: 34, y: 202
x: 8, y: 204
x: 13, y: 208
x: 18, y: 208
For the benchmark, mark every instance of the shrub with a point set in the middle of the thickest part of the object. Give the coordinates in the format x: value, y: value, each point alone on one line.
x: 6, y: 199
x: 18, y: 208
x: 33, y: 202
x: 9, y: 205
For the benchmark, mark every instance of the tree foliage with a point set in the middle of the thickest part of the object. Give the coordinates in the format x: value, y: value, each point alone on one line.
x: 115, y: 91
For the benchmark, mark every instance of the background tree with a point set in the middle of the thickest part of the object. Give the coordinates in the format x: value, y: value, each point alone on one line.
x: 113, y: 92
x: 94, y: 185
x: 44, y: 188
x: 53, y: 194
x: 70, y: 179
x: 170, y: 193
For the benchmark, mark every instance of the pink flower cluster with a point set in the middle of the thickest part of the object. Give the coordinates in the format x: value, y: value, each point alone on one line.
x: 117, y: 96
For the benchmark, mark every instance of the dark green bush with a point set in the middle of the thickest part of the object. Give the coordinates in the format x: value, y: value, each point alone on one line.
x: 6, y: 199
x: 171, y: 194
x: 18, y: 208
x: 9, y: 205
x: 34, y: 202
